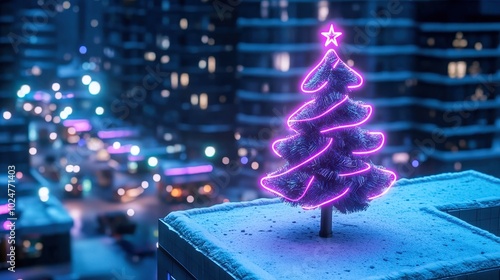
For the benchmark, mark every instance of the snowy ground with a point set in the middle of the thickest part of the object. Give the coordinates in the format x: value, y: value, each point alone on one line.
x: 406, y: 233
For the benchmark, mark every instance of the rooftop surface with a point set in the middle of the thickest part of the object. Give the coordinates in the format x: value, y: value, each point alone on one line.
x: 406, y: 233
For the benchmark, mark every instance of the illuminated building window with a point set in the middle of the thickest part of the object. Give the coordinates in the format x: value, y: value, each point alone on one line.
x: 431, y: 41
x: 281, y: 61
x: 459, y: 41
x: 202, y: 64
x: 194, y: 99
x: 265, y: 87
x: 165, y: 59
x: 478, y: 46
x: 203, y: 101
x: 323, y: 10
x: 174, y: 80
x: 211, y: 64
x: 184, y: 79
x: 165, y: 93
x: 36, y: 71
x: 150, y: 56
x: 204, y: 39
x: 163, y: 42
x: 264, y: 9
x: 284, y: 16
x: 400, y: 157
x: 183, y: 23
x: 457, y: 69
x: 242, y: 152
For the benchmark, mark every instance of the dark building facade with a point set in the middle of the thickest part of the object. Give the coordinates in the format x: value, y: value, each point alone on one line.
x: 432, y: 79
x: 196, y: 51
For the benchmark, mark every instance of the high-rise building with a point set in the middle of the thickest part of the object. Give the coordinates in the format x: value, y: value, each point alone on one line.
x: 125, y: 40
x: 432, y: 79
x: 7, y: 55
x: 35, y: 42
x: 457, y: 95
x: 195, y: 51
x: 172, y: 67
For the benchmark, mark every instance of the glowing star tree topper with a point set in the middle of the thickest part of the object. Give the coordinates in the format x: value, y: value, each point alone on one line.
x: 327, y: 153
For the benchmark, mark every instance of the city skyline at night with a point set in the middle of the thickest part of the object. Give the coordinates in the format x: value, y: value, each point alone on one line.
x: 117, y: 112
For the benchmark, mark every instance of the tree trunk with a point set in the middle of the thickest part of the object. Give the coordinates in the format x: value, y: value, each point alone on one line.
x: 325, y: 230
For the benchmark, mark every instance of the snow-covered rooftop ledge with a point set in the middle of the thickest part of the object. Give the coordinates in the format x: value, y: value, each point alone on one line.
x: 405, y: 234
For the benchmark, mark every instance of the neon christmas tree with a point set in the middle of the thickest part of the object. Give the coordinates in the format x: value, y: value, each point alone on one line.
x: 327, y: 154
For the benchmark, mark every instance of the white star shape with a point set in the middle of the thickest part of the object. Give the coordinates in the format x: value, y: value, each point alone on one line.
x: 331, y: 36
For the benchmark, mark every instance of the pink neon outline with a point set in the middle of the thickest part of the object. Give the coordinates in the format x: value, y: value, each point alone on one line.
x: 331, y: 33
x: 370, y: 110
x: 122, y: 150
x: 4, y: 209
x: 269, y: 176
x: 388, y: 188
x: 357, y: 74
x: 374, y: 150
x: 337, y: 60
x: 368, y: 167
x: 312, y: 72
x: 288, y: 198
x: 317, y: 117
x: 326, y: 202
x: 273, y: 145
x: 189, y: 170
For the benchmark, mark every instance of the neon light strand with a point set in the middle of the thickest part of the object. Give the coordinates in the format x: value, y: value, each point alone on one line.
x: 356, y: 172
x: 370, y: 110
x: 289, y: 198
x: 335, y: 65
x: 273, y: 175
x: 327, y: 201
x: 394, y: 177
x: 317, y: 80
x: 273, y: 145
x: 290, y: 120
x: 374, y: 150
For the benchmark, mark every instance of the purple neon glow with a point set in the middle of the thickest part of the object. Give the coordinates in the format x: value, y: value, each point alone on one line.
x: 107, y: 134
x: 273, y: 145
x: 331, y: 36
x: 357, y: 171
x: 374, y: 150
x: 313, y: 118
x: 4, y: 209
x: 189, y: 170
x: 135, y: 158
x: 289, y: 198
x: 327, y: 201
x: 6, y: 225
x: 389, y: 187
x: 337, y: 61
x: 122, y: 150
x: 273, y: 175
x: 370, y: 110
x: 78, y: 125
x: 313, y: 71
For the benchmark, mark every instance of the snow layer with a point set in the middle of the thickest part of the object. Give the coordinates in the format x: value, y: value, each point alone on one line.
x: 405, y: 234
